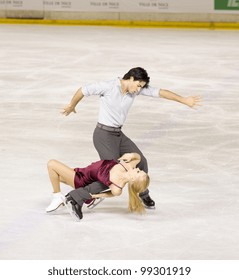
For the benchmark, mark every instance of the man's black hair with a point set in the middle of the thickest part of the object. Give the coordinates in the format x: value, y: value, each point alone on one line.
x: 139, y: 74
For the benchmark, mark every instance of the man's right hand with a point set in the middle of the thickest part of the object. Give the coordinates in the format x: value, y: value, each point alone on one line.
x: 68, y: 109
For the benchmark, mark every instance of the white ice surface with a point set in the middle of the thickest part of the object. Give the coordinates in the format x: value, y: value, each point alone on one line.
x: 193, y: 155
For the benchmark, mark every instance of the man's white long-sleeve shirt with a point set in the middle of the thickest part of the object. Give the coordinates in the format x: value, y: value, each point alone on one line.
x: 114, y: 105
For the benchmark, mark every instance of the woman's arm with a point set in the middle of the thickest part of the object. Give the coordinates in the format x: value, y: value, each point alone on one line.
x: 114, y: 191
x: 105, y: 194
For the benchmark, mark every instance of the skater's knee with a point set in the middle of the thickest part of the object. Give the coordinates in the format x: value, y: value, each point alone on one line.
x: 51, y: 163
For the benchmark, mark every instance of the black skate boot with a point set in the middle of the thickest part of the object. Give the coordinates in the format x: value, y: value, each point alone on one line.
x: 148, y: 202
x: 75, y: 208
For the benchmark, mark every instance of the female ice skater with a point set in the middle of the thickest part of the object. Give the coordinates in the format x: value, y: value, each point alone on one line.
x: 114, y: 174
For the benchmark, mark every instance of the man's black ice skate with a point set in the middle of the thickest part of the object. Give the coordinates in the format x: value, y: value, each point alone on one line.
x: 148, y: 202
x: 75, y: 210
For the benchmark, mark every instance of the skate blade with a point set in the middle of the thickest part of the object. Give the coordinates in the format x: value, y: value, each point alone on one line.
x: 94, y: 203
x: 62, y: 204
x: 71, y: 212
x: 150, y: 207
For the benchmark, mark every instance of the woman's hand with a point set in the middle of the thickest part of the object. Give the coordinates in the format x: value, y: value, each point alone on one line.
x: 127, y: 157
x: 132, y: 159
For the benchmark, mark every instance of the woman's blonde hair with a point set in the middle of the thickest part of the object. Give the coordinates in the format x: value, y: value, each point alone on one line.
x: 134, y: 188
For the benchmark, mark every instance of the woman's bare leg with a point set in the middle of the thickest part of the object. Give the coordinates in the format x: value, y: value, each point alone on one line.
x: 60, y: 173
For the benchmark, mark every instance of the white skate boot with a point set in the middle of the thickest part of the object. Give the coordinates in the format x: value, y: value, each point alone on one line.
x: 57, y: 201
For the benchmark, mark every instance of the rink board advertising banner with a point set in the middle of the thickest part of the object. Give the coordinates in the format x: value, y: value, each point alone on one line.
x: 22, y: 5
x: 130, y: 6
x: 226, y: 4
x: 110, y: 5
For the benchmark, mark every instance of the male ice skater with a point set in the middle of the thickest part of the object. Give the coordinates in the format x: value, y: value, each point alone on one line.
x: 116, y: 98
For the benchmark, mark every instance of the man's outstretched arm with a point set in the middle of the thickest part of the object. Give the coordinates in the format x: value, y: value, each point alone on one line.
x: 74, y: 101
x: 191, y: 101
